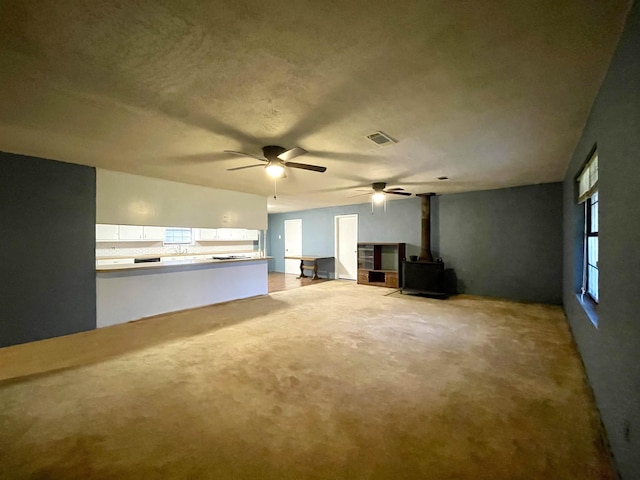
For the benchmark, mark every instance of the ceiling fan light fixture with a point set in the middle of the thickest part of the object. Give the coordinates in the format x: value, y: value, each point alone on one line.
x: 378, y: 197
x: 274, y: 170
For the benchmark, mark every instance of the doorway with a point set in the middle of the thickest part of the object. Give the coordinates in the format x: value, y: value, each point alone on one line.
x: 346, y: 246
x: 292, y: 244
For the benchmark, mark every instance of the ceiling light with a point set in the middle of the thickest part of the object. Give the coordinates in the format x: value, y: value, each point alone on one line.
x: 274, y: 170
x: 378, y: 197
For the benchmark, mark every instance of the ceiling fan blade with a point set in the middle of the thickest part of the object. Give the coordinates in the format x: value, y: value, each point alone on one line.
x: 394, y: 189
x: 242, y: 154
x: 359, y: 195
x: 304, y: 166
x: 406, y: 194
x: 242, y: 168
x: 291, y: 154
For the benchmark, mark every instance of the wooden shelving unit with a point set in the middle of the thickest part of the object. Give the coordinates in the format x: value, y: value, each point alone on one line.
x: 380, y: 264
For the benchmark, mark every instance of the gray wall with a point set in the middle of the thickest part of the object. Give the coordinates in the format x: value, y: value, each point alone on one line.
x: 502, y: 243
x: 611, y: 352
x: 47, y: 249
x: 400, y: 223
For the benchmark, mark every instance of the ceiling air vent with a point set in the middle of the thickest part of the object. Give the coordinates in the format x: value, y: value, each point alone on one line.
x: 381, y: 139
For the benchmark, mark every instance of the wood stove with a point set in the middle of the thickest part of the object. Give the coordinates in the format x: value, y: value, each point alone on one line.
x: 424, y: 276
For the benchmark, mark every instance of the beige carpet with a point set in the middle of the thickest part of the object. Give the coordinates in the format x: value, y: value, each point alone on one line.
x: 330, y: 381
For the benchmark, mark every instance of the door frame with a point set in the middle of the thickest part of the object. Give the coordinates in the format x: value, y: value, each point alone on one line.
x: 284, y: 230
x: 336, y: 219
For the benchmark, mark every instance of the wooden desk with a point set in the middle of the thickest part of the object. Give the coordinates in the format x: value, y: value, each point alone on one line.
x: 313, y: 266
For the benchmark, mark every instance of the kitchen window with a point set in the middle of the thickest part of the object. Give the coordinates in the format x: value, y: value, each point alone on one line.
x: 178, y: 236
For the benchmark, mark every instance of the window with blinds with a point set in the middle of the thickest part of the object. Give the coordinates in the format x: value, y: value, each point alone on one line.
x: 588, y: 178
x: 588, y: 196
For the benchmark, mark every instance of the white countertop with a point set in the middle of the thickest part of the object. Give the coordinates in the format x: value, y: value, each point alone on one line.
x: 175, y: 263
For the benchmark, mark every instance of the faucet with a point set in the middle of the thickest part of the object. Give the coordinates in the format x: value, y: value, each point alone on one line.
x: 180, y: 250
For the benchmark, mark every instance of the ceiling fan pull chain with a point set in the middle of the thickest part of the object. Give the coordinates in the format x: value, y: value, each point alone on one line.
x: 275, y: 188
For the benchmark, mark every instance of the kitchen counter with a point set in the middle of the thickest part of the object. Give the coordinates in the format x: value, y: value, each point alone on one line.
x: 132, y: 291
x: 174, y: 263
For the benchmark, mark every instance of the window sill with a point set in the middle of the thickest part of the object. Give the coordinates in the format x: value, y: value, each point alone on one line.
x: 590, y: 307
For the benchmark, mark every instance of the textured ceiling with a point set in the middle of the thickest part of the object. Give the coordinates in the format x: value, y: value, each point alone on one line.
x: 490, y: 94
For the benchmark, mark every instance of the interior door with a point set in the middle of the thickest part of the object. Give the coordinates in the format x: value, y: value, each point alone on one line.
x: 346, y: 246
x: 292, y: 244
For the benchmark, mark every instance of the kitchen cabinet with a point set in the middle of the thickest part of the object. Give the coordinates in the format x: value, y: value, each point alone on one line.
x: 182, y: 258
x: 130, y: 232
x: 106, y: 233
x: 114, y: 261
x: 252, y: 235
x: 231, y: 234
x: 153, y: 233
x: 137, y: 233
x: 206, y: 234
x: 225, y: 234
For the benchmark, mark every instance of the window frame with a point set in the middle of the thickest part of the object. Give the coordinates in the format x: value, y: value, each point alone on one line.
x: 591, y: 233
x: 588, y: 172
x: 169, y: 230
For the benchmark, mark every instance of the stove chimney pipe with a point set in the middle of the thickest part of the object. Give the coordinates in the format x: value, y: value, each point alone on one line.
x: 425, y: 247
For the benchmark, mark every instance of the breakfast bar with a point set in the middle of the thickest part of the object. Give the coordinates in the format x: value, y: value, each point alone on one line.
x: 133, y: 291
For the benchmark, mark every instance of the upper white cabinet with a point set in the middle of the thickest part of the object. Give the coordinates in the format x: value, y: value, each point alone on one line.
x: 130, y: 232
x: 231, y: 234
x: 205, y: 234
x: 252, y: 235
x: 225, y: 234
x: 106, y: 233
x: 137, y: 233
x: 153, y: 233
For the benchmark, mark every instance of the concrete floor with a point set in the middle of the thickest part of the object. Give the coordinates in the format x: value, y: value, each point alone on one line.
x: 334, y: 380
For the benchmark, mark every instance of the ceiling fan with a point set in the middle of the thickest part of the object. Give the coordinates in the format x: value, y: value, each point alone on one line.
x: 277, y: 158
x: 379, y: 192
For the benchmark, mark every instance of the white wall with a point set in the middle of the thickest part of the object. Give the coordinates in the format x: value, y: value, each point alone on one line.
x: 126, y: 199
